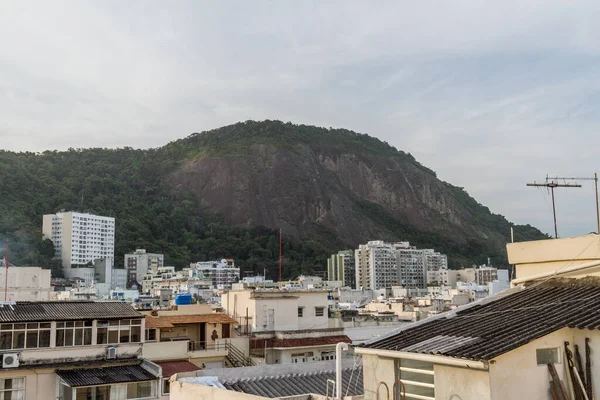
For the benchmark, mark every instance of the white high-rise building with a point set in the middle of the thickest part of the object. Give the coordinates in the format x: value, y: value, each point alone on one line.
x: 80, y: 238
x: 376, y: 266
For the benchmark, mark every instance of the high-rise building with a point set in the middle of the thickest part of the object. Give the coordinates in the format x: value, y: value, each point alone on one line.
x: 222, y: 273
x: 412, y: 265
x: 341, y: 266
x: 80, y: 238
x: 375, y: 265
x: 138, y: 263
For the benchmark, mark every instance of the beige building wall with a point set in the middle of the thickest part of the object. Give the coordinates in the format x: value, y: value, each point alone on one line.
x: 192, y: 391
x: 378, y: 369
x: 535, y: 257
x: 462, y: 383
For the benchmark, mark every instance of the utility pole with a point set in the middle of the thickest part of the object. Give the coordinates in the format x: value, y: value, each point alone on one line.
x: 551, y: 183
x: 595, y: 179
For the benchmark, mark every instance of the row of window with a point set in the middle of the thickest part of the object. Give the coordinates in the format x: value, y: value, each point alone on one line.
x: 319, y: 311
x: 68, y: 334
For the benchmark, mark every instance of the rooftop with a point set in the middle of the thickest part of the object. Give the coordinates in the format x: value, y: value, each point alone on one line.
x: 105, y: 376
x: 65, y: 311
x: 171, y: 320
x: 174, y: 367
x: 301, y: 342
x: 298, y: 384
x: 501, y: 323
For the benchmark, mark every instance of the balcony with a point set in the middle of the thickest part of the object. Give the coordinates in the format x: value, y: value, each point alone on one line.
x: 183, y: 349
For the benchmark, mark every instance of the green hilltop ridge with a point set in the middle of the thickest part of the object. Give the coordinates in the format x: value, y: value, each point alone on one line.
x: 226, y: 192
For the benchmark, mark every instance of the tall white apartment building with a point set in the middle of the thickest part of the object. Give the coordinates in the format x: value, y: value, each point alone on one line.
x: 80, y: 238
x: 435, y: 261
x: 412, y: 265
x: 376, y: 266
x: 138, y: 263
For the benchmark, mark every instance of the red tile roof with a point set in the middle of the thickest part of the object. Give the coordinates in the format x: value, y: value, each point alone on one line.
x: 170, y: 368
x: 306, y: 342
x: 170, y: 320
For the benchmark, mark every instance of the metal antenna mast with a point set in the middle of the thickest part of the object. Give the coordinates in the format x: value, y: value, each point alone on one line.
x: 552, y: 184
x: 595, y: 179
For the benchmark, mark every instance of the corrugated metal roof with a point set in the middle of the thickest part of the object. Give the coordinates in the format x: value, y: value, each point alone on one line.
x: 170, y: 368
x: 66, y: 311
x: 502, y: 324
x: 305, y: 342
x: 169, y: 321
x: 298, y: 384
x: 105, y: 376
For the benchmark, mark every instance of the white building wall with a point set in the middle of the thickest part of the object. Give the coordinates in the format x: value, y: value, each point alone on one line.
x: 26, y: 283
x: 80, y: 238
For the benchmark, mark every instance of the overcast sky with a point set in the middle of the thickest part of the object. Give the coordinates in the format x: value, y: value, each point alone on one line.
x: 491, y: 95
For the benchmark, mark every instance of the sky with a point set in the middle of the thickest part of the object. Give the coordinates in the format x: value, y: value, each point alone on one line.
x: 490, y: 95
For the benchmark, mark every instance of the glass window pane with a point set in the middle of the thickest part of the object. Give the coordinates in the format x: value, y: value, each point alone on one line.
x: 60, y: 337
x: 45, y: 325
x: 44, y: 338
x: 69, y: 324
x: 84, y: 393
x: 19, y: 339
x: 6, y: 327
x: 113, y: 337
x: 87, y: 323
x: 136, y: 334
x: 102, y: 392
x: 78, y: 323
x: 102, y: 324
x: 32, y: 325
x: 113, y: 322
x: 19, y: 326
x: 68, y: 337
x: 78, y: 337
x: 5, y: 340
x: 125, y: 322
x: 87, y: 336
x: 60, y: 324
x: 32, y: 339
x: 136, y: 322
x: 546, y: 356
x: 101, y: 337
x: 124, y: 336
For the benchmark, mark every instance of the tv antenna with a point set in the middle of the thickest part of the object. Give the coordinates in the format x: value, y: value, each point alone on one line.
x: 552, y: 183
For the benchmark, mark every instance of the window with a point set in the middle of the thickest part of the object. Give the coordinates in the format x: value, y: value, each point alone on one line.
x: 150, y: 335
x: 73, y: 333
x: 12, y: 389
x: 319, y: 311
x: 418, y: 378
x: 25, y: 336
x: 140, y: 390
x: 300, y: 311
x: 92, y: 392
x: 119, y: 331
x: 166, y: 387
x: 547, y: 356
x: 327, y: 355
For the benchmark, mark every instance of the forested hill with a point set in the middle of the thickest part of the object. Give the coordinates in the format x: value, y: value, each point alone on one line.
x: 226, y: 192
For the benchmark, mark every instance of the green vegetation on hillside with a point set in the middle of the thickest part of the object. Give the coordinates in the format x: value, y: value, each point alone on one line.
x: 132, y: 186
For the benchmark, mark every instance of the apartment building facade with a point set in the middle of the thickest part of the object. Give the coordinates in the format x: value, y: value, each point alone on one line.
x: 73, y: 351
x: 376, y: 265
x: 222, y: 273
x: 341, y: 267
x: 285, y: 326
x: 80, y: 238
x: 139, y: 263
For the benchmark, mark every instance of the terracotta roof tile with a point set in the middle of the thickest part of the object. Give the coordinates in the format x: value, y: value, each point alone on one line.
x: 305, y: 342
x: 169, y: 321
x: 170, y: 368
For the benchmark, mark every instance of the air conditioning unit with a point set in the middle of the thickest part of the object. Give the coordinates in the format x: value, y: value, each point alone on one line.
x: 111, y: 353
x: 10, y: 360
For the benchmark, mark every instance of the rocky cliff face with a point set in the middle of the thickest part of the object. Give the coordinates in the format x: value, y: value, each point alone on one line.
x: 359, y: 195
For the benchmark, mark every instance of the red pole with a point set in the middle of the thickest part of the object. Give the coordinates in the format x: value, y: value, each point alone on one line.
x: 280, y: 258
x: 6, y: 265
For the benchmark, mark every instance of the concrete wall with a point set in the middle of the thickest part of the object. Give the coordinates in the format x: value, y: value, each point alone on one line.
x: 452, y: 383
x: 375, y: 370
x: 27, y: 283
x: 540, y: 256
x: 194, y: 391
x: 157, y: 351
x: 39, y: 384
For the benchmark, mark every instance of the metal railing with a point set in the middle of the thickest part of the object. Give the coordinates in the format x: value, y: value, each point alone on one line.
x: 204, y: 346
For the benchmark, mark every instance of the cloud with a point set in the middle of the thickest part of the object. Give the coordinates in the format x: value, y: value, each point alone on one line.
x: 491, y: 95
